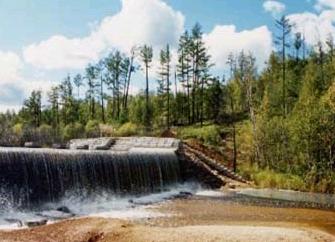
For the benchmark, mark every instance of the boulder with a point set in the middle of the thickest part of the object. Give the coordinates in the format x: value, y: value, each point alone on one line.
x: 64, y: 209
x: 82, y: 147
x: 59, y: 146
x: 14, y: 221
x: 32, y: 145
x: 36, y: 223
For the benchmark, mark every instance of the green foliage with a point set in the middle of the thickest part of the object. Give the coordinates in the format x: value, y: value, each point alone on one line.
x: 208, y: 134
x: 138, y: 109
x: 73, y: 131
x: 128, y: 129
x: 266, y: 178
x: 92, y: 129
x: 46, y: 134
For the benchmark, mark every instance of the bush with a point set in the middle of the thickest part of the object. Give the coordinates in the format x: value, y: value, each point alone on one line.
x: 266, y: 178
x: 128, y: 129
x: 92, y: 129
x: 46, y: 134
x: 208, y: 134
x: 106, y: 130
x: 244, y: 140
x: 73, y: 131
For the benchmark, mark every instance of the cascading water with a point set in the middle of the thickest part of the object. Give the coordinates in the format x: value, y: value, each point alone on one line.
x: 29, y: 178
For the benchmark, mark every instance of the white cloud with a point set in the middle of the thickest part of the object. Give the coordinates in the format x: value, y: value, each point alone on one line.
x: 59, y: 52
x: 274, y: 7
x: 10, y: 67
x: 14, y: 84
x: 224, y: 40
x: 139, y: 22
x: 324, y: 4
x: 316, y: 27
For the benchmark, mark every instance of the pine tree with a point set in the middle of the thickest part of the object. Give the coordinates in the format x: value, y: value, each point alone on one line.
x: 284, y: 28
x: 164, y: 81
x: 91, y: 76
x: 32, y: 108
x: 53, y: 97
x: 184, y: 69
x: 78, y: 82
x: 147, y: 55
x: 200, y: 69
x: 297, y: 44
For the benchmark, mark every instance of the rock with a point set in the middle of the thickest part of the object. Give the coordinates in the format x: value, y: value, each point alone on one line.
x: 82, y: 147
x: 32, y: 224
x: 14, y: 221
x: 232, y: 186
x: 182, y: 195
x: 32, y: 145
x: 59, y: 146
x: 55, y: 215
x: 102, y: 144
x: 64, y: 209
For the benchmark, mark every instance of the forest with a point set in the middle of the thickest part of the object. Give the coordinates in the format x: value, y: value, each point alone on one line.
x: 277, y: 123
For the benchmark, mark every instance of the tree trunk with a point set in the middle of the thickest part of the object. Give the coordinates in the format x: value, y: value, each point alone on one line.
x: 128, y: 82
x: 147, y: 121
x: 102, y: 100
x: 168, y: 94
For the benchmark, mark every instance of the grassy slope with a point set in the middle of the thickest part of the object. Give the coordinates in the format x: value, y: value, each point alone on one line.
x: 217, y: 139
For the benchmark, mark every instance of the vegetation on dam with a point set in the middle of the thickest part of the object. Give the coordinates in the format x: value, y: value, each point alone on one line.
x: 278, y: 123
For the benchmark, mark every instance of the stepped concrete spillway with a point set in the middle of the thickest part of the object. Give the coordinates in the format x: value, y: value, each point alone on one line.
x: 136, y: 165
x: 30, y: 177
x: 125, y: 143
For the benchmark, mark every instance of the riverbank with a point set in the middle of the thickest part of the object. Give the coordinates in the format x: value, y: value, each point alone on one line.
x: 210, y: 216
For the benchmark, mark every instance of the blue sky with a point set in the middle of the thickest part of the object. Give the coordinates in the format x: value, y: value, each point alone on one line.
x: 23, y: 22
x: 41, y: 41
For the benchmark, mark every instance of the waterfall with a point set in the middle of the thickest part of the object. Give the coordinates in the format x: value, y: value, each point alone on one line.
x: 30, y: 177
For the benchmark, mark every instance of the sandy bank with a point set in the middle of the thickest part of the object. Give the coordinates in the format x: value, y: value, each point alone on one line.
x: 104, y: 230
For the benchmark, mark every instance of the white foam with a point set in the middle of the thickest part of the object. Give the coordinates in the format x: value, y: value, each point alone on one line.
x: 103, y: 205
x: 210, y: 193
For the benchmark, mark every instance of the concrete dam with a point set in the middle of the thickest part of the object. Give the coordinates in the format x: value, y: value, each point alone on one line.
x: 143, y: 165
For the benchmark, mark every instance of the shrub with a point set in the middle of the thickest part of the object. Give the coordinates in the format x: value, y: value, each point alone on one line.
x: 207, y: 134
x: 45, y: 134
x: 128, y: 129
x: 73, y: 131
x: 266, y: 178
x: 92, y: 129
x: 106, y: 130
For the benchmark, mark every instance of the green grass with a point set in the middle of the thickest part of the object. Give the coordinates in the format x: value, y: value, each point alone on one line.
x: 265, y: 178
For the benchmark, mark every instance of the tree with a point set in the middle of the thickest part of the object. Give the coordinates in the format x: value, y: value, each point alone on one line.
x: 68, y: 111
x: 90, y: 76
x: 298, y: 42
x: 146, y: 55
x: 200, y: 69
x: 131, y: 69
x: 164, y: 81
x: 284, y: 27
x: 78, y: 82
x: 117, y: 79
x: 53, y: 97
x: 32, y: 108
x: 100, y: 72
x: 184, y: 69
